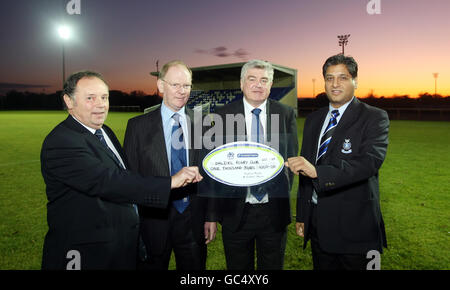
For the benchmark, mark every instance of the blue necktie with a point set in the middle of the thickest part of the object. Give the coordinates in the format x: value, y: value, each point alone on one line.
x: 257, y: 135
x: 178, y: 158
x: 327, y: 134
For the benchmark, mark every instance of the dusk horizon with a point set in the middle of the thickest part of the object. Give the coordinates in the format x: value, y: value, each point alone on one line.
x: 397, y: 50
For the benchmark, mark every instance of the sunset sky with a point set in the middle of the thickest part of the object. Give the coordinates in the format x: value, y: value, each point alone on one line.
x: 397, y: 51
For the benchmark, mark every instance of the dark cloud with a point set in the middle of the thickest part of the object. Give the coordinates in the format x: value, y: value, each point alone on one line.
x: 201, y: 51
x: 222, y: 54
x: 222, y: 51
x: 241, y: 53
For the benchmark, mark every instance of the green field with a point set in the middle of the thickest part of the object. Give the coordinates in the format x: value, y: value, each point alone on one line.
x: 414, y: 188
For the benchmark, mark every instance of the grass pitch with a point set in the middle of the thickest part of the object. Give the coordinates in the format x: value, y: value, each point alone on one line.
x: 414, y: 190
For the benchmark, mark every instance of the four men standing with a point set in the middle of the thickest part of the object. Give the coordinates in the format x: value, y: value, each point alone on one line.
x: 338, y: 197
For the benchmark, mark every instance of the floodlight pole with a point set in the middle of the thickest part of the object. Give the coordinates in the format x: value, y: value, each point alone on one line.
x: 64, y: 34
x: 314, y: 87
x: 157, y: 67
x: 157, y: 77
x: 343, y: 40
x: 63, y: 65
x: 435, y: 75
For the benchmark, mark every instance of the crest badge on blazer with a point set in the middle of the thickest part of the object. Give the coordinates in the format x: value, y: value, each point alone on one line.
x: 346, y: 147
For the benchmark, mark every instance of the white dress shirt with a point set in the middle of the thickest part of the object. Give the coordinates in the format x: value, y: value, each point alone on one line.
x: 108, y: 141
x: 341, y: 110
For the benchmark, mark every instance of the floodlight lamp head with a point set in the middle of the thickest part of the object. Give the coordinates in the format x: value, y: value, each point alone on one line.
x: 64, y: 32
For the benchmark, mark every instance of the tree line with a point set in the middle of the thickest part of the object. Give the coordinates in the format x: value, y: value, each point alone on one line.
x: 425, y: 100
x: 16, y: 100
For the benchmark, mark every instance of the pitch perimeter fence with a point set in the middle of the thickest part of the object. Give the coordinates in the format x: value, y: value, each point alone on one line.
x: 418, y: 114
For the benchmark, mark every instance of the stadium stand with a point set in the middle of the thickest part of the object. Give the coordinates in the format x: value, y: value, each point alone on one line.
x: 217, y: 98
x: 218, y: 85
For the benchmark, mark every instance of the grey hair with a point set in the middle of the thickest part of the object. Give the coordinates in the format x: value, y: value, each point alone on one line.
x: 260, y: 64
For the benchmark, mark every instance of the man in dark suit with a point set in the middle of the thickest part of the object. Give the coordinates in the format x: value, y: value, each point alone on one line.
x: 155, y: 143
x: 343, y: 147
x: 259, y: 214
x: 92, y: 220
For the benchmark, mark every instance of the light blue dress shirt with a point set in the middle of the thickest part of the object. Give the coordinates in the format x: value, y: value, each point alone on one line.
x: 168, y: 122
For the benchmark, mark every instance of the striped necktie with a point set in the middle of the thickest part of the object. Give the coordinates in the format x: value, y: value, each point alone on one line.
x: 324, y: 142
x: 327, y: 134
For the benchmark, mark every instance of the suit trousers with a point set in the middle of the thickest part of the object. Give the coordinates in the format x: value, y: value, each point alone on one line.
x: 189, y: 255
x: 323, y: 260
x: 256, y: 227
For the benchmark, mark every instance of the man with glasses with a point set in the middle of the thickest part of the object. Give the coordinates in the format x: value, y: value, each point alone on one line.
x: 344, y: 145
x: 258, y: 215
x: 158, y: 143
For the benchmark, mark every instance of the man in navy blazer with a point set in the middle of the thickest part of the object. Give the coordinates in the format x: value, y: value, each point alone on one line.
x: 343, y: 148
x: 92, y: 220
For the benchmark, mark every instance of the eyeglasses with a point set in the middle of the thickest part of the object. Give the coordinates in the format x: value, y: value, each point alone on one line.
x: 178, y: 86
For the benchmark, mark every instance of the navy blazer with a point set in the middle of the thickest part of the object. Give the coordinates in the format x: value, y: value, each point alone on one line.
x: 231, y: 206
x: 90, y: 200
x: 145, y: 149
x: 348, y: 209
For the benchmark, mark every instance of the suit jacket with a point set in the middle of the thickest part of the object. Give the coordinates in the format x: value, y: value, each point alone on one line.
x: 145, y: 149
x: 231, y: 206
x: 348, y: 210
x: 90, y: 200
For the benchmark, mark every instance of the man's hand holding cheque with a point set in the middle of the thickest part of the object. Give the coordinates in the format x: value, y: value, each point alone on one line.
x: 186, y: 176
x: 299, y: 165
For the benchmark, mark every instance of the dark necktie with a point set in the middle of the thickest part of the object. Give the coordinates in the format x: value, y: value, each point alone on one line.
x: 100, y: 137
x: 327, y: 134
x: 141, y: 246
x: 257, y: 135
x: 178, y: 158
